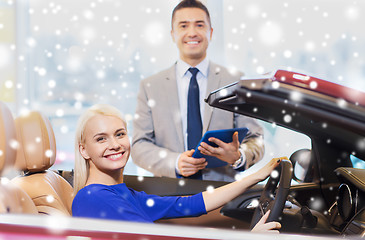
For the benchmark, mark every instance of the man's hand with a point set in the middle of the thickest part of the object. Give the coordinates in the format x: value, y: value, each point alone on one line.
x: 188, y: 165
x: 262, y: 226
x: 228, y: 152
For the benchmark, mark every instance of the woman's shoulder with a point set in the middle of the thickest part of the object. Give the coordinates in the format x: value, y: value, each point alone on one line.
x: 96, y: 190
x: 93, y: 187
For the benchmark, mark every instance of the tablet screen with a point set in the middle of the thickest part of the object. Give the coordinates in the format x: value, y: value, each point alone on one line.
x: 224, y: 135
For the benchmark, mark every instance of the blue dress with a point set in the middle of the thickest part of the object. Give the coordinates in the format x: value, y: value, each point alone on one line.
x: 118, y: 202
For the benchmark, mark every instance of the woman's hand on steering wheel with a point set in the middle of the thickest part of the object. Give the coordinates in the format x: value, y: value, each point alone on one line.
x: 266, y: 171
x: 275, y: 193
x: 262, y: 226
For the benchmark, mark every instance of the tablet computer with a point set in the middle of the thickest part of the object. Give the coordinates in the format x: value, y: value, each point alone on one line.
x: 224, y: 135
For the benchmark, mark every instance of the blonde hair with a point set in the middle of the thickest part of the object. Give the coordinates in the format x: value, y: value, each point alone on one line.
x: 81, y: 172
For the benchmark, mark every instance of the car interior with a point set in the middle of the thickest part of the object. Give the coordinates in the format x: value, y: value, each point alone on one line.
x: 13, y: 199
x: 318, y: 191
x: 328, y: 180
x: 50, y: 192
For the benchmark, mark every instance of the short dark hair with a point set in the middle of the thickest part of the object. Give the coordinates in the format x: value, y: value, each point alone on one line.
x: 190, y: 4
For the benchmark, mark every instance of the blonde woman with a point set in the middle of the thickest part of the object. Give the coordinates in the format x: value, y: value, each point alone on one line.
x: 102, y: 150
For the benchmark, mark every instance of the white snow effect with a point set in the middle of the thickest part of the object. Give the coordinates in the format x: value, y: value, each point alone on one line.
x: 57, y: 224
x: 78, y: 105
x: 100, y: 74
x: 310, y: 46
x: 274, y: 174
x: 260, y: 70
x: 151, y: 103
x: 64, y: 129
x: 50, y: 199
x: 140, y: 178
x: 31, y: 42
x: 128, y: 117
x: 181, y: 182
x: 253, y: 11
x: 270, y: 33
x: 79, y: 96
x: 4, y: 180
x: 275, y: 84
x: 60, y: 112
x: 254, y: 203
x: 5, y: 56
x: 124, y: 84
x: 61, y: 156
x: 155, y: 33
x: 287, y: 118
x: 150, y: 202
x: 52, y: 83
x: 88, y: 33
x: 14, y: 144
x: 352, y: 13
x: 296, y: 96
x: 210, y: 189
x: 232, y: 70
x: 162, y: 154
x: 341, y: 103
x: 315, y: 204
x: 287, y: 54
x: 88, y: 14
x: 223, y: 93
x: 9, y: 84
x: 74, y: 63
x: 361, y: 144
x: 49, y: 153
x: 313, y: 84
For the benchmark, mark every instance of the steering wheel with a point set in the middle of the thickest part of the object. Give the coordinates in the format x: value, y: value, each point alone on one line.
x: 271, y: 201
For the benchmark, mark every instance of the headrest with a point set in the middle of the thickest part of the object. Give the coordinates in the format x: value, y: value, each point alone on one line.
x: 7, y: 138
x: 37, y: 143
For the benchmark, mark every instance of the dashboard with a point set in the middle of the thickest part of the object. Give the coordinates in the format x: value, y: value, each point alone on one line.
x: 350, y: 201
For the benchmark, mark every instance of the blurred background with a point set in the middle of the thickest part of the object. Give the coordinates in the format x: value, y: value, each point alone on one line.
x: 62, y: 56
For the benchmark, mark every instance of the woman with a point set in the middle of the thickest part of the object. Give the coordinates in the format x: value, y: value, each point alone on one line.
x: 102, y: 150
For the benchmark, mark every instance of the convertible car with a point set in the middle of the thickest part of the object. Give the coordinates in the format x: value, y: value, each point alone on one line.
x: 320, y: 191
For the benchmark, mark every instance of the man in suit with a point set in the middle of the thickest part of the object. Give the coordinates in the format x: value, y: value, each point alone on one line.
x: 162, y: 124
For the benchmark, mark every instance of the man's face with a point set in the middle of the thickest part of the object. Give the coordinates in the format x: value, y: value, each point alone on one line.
x: 191, y: 32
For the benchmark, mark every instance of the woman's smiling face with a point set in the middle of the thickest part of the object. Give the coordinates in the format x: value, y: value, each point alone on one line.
x: 106, y: 143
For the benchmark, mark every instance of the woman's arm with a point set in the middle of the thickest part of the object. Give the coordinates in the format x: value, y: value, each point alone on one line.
x: 222, y: 195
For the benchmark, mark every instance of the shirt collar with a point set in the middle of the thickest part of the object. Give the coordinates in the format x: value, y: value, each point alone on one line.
x: 182, y: 67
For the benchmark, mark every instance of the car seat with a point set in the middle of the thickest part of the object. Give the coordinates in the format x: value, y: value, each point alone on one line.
x: 51, y: 193
x: 12, y: 198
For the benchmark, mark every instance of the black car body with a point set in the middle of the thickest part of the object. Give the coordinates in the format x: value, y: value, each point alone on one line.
x: 333, y: 117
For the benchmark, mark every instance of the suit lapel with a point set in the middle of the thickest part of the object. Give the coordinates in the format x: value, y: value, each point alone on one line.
x: 173, y: 111
x: 213, y: 84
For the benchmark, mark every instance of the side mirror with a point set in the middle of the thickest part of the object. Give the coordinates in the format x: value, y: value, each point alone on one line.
x: 302, y: 165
